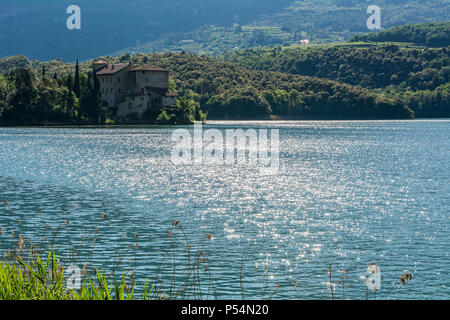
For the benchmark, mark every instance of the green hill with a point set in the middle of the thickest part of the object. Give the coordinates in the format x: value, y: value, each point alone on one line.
x: 338, y: 20
x: 369, y: 66
x: 428, y: 34
x: 419, y: 77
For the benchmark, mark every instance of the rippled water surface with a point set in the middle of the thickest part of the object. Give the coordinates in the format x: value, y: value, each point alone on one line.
x: 347, y: 194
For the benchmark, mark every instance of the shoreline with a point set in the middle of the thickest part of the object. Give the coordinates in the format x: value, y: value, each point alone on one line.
x: 224, y: 121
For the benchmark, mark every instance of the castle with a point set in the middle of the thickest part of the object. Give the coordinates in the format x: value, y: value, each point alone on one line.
x: 132, y: 91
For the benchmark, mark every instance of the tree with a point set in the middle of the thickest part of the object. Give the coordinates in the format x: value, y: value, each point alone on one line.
x: 70, y: 104
x: 23, y: 97
x: 69, y: 82
x: 76, y: 84
x: 24, y: 83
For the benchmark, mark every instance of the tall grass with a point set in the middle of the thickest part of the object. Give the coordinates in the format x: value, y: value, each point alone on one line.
x: 43, y: 279
x: 24, y: 274
x: 32, y: 270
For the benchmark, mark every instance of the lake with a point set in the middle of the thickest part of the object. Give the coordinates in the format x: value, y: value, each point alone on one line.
x: 348, y: 193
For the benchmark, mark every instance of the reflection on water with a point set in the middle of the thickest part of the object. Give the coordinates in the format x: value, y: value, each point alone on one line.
x: 348, y: 194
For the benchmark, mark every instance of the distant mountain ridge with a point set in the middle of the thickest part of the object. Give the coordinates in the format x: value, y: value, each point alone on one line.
x: 37, y: 29
x: 319, y: 21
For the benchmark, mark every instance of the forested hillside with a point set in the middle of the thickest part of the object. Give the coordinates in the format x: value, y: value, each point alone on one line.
x: 357, y: 80
x: 428, y: 34
x: 223, y: 90
x: 370, y: 67
x: 338, y: 20
x: 417, y: 76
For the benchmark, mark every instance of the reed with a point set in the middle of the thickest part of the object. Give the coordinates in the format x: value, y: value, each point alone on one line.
x: 24, y: 274
x: 31, y: 269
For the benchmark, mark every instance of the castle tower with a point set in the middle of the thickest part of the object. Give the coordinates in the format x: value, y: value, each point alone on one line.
x: 99, y: 65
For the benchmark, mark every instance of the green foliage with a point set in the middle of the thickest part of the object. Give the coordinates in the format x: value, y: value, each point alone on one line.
x: 370, y: 67
x: 164, y: 118
x: 39, y: 280
x: 44, y: 280
x: 287, y: 103
x: 394, y: 72
x: 425, y: 103
x: 29, y: 98
x: 247, y: 104
x: 428, y: 34
x: 76, y: 83
x: 110, y: 122
x: 26, y: 99
x: 227, y: 91
x: 172, y: 85
x: 187, y: 111
x: 220, y: 87
x: 9, y: 63
x: 30, y: 269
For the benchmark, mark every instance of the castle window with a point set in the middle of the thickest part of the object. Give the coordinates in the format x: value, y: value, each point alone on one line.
x: 119, y: 90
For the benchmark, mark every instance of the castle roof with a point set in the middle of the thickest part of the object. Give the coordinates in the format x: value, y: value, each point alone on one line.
x: 99, y: 62
x: 149, y: 67
x: 112, y: 68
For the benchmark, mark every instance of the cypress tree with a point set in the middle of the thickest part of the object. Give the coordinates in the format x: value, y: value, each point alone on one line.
x: 69, y: 83
x: 96, y: 85
x: 91, y: 102
x: 76, y: 85
x: 96, y: 100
